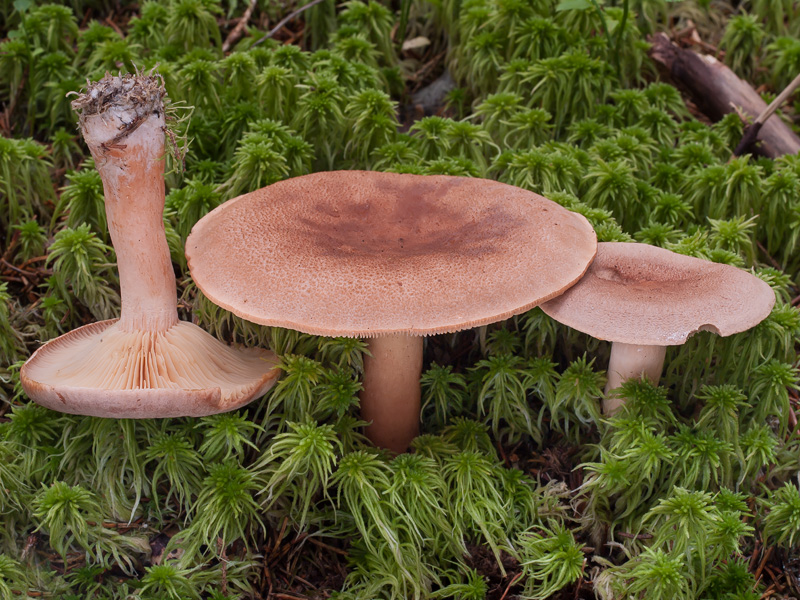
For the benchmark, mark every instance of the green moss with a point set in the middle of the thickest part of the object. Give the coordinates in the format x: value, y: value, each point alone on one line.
x: 546, y: 101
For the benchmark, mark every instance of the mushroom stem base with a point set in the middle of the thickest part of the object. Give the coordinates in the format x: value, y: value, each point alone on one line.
x: 391, y: 395
x: 631, y: 361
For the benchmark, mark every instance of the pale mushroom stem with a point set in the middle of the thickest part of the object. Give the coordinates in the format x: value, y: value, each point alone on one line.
x: 391, y: 396
x: 631, y: 361
x: 131, y: 166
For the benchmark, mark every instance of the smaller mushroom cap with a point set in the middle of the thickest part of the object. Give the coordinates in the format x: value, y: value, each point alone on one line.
x: 359, y: 253
x: 645, y: 295
x: 103, y: 371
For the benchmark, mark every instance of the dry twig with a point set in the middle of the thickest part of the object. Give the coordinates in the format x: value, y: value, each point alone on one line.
x: 284, y: 21
x: 238, y: 31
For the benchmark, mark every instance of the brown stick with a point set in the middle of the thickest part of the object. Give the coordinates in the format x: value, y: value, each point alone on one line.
x: 115, y: 27
x: 238, y: 31
x: 763, y: 249
x: 510, y: 584
x: 751, y: 131
x: 792, y: 423
x: 11, y: 246
x: 768, y: 592
x: 718, y: 91
x: 580, y: 581
x: 284, y: 21
x: 326, y: 546
x: 7, y: 115
x: 223, y: 559
x: 635, y: 536
x: 754, y: 555
x: 764, y: 560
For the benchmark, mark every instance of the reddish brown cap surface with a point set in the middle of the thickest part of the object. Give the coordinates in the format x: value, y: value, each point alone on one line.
x: 102, y: 371
x: 356, y: 253
x: 640, y: 294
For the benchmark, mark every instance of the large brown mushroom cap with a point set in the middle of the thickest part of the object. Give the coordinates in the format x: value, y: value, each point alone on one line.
x: 103, y: 371
x: 355, y: 253
x: 645, y: 295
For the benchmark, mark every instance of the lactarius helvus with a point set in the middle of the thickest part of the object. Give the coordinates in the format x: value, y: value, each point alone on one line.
x: 147, y: 363
x: 644, y: 298
x: 391, y: 258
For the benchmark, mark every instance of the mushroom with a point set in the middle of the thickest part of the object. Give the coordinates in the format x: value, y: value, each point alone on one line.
x: 388, y: 257
x: 644, y: 298
x: 147, y: 363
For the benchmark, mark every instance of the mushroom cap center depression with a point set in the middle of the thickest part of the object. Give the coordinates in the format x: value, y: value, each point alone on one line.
x: 403, y: 227
x: 360, y: 253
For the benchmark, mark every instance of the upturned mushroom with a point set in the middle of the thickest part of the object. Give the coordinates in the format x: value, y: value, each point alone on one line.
x: 644, y: 298
x: 388, y: 257
x: 147, y: 363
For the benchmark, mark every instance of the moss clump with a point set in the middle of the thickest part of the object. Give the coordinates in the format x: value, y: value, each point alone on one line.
x: 518, y: 484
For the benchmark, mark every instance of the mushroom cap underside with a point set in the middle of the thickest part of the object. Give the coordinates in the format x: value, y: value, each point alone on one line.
x: 357, y: 253
x: 103, y: 371
x: 641, y: 294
